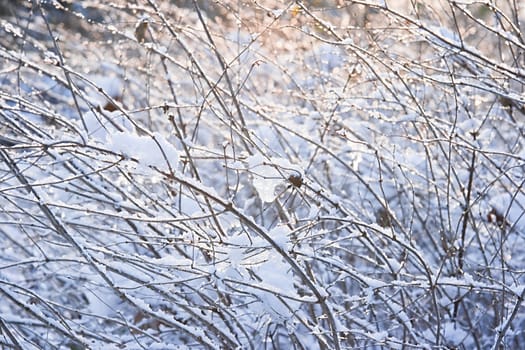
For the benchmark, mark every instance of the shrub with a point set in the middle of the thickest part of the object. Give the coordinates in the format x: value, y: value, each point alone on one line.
x: 261, y: 174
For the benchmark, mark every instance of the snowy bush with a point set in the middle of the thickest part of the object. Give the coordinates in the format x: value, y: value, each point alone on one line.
x: 262, y: 174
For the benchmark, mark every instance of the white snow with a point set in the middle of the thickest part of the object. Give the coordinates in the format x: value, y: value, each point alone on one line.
x: 152, y: 150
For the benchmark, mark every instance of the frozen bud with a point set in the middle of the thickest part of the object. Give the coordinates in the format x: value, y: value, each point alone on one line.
x: 140, y: 30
